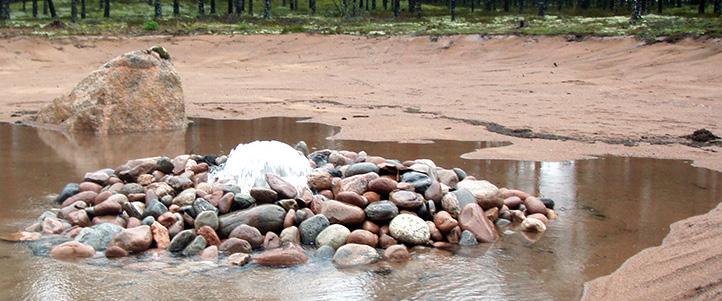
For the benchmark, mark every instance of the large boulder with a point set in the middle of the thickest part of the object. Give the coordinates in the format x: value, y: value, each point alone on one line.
x: 135, y: 92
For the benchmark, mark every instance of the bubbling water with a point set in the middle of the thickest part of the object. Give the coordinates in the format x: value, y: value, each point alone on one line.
x: 248, y: 164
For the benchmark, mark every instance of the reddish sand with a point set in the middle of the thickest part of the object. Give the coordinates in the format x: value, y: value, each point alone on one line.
x: 414, y: 88
x: 687, y: 266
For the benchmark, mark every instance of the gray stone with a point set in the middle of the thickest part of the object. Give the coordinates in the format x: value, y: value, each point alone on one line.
x: 360, y: 168
x: 334, y: 236
x: 206, y: 218
x: 264, y: 217
x: 311, y: 227
x: 181, y: 240
x: 409, y: 229
x: 325, y: 252
x: 381, y: 211
x: 98, y: 236
x: 195, y: 247
x: 467, y: 239
x: 355, y: 254
x: 69, y: 190
x: 186, y: 197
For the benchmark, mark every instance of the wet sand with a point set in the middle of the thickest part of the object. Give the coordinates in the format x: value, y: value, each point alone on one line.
x: 597, y: 94
x: 615, y: 90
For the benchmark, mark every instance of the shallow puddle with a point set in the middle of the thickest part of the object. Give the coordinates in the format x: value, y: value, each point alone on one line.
x: 609, y: 209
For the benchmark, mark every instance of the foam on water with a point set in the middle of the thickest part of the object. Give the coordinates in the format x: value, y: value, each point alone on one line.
x: 248, y: 164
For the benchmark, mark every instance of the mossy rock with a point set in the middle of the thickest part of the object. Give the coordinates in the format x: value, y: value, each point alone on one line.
x: 161, y: 52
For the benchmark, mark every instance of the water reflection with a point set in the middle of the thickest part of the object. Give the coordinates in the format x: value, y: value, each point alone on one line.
x: 610, y: 208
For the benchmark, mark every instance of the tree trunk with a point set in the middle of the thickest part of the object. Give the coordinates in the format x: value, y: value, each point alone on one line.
x: 542, y: 8
x: 452, y: 8
x: 158, y: 9
x: 239, y: 7
x: 176, y: 8
x: 644, y: 7
x: 230, y: 7
x: 507, y: 5
x: 4, y: 9
x: 397, y: 8
x: 636, y: 11
x: 45, y: 7
x: 24, y: 5
x: 73, y: 10
x: 35, y: 8
x: 702, y: 6
x: 660, y: 6
x: 106, y: 8
x: 250, y: 7
x: 213, y: 7
x: 51, y: 7
x: 201, y: 8
x: 267, y: 9
x: 521, y: 6
x: 717, y: 8
x: 385, y: 3
x: 373, y: 4
x: 418, y: 8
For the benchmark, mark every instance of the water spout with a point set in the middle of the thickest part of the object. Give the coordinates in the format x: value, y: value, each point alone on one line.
x: 248, y: 164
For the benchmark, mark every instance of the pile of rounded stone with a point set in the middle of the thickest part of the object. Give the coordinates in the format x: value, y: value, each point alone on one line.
x: 355, y: 204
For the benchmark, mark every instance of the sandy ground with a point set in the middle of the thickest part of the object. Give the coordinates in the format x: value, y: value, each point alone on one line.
x: 687, y: 266
x: 598, y: 95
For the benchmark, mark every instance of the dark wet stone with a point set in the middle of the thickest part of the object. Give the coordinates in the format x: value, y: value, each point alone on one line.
x: 242, y: 201
x: 132, y: 188
x: 360, y: 168
x: 311, y: 227
x: 320, y: 157
x: 427, y: 210
x: 148, y: 220
x: 155, y: 209
x: 165, y: 165
x: 181, y: 240
x: 264, y: 217
x: 381, y: 211
x: 200, y: 205
x: 420, y: 181
x: 460, y: 173
x: 288, y: 204
x: 467, y: 239
x: 132, y: 210
x: 264, y: 195
x: 195, y: 247
x: 69, y: 190
x: 549, y: 203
